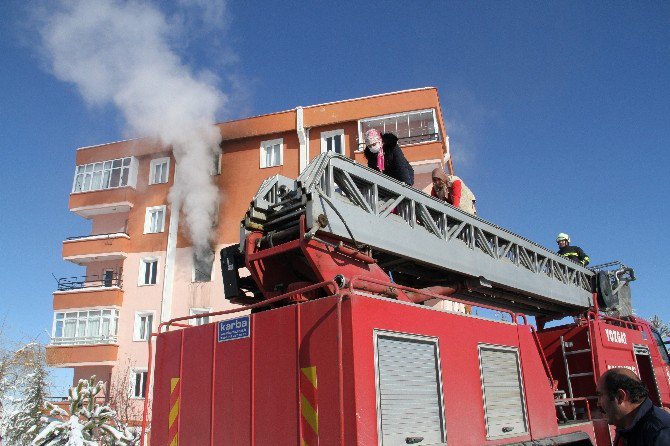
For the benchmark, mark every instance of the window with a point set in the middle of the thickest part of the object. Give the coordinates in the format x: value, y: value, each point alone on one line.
x: 108, y: 278
x: 138, y: 382
x: 159, y: 170
x: 272, y: 153
x: 148, y: 271
x: 154, y: 220
x: 199, y: 320
x: 411, y: 127
x: 202, y: 266
x: 104, y: 175
x: 97, y: 326
x: 333, y: 141
x: 215, y: 169
x: 143, y: 325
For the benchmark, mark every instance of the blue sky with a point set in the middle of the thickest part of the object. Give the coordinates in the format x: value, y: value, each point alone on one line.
x: 558, y: 114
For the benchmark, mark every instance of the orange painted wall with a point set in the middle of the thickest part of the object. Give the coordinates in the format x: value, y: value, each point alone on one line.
x: 57, y: 355
x: 89, y: 299
x: 98, y: 246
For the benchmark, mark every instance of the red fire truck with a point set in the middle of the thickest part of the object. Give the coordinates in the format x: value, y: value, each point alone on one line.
x: 373, y: 314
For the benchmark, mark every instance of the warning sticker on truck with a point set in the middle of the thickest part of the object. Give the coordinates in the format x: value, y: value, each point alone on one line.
x: 231, y: 329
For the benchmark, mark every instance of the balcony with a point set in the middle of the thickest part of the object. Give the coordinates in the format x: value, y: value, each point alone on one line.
x: 80, y: 355
x: 84, y: 337
x: 94, y: 248
x: 88, y: 291
x: 106, y: 201
x: 104, y: 187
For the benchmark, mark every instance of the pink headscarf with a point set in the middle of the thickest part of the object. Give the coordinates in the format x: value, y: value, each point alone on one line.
x: 373, y: 141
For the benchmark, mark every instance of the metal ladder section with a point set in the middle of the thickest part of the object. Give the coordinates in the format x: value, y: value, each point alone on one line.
x: 570, y: 376
x: 407, y: 230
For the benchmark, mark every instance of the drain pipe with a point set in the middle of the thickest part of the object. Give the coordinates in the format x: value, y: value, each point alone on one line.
x: 303, y: 138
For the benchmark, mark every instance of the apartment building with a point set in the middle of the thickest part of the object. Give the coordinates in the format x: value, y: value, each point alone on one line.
x: 139, y: 264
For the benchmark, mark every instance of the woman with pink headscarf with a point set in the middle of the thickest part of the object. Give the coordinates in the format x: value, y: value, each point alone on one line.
x: 384, y: 154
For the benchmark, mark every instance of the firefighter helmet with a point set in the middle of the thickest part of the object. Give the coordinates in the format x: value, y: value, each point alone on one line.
x: 562, y: 236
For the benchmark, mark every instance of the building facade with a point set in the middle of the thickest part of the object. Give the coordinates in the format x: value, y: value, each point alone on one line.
x: 139, y: 263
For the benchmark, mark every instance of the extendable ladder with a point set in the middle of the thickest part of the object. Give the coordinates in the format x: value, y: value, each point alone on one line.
x: 420, y: 237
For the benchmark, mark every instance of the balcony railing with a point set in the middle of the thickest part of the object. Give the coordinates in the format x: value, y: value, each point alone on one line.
x: 85, y: 340
x: 98, y: 236
x: 94, y: 281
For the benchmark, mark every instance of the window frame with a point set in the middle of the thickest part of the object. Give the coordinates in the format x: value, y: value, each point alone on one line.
x: 331, y: 134
x: 193, y: 269
x: 137, y: 325
x: 152, y: 165
x: 361, y: 138
x: 196, y: 321
x: 110, y: 338
x: 263, y: 150
x: 144, y: 261
x: 215, y: 168
x: 133, y: 374
x: 147, y: 219
x: 127, y: 171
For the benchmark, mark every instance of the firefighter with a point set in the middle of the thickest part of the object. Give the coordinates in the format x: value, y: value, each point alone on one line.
x: 574, y: 253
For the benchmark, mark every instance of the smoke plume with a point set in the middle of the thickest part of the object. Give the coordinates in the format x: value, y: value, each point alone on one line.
x: 123, y: 53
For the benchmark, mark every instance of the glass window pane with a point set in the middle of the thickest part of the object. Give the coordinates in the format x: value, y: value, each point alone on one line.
x: 93, y: 328
x: 87, y: 183
x: 81, y: 328
x: 116, y: 163
x: 58, y: 330
x: 59, y: 315
x: 105, y: 328
x: 108, y: 165
x: 338, y: 144
x: 126, y: 161
x: 116, y: 176
x: 124, y: 176
x: 69, y: 329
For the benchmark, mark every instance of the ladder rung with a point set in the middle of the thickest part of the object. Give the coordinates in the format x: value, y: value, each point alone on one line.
x: 574, y: 352
x: 578, y: 375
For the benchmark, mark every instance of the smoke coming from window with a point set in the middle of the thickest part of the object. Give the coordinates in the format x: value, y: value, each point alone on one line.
x: 125, y: 53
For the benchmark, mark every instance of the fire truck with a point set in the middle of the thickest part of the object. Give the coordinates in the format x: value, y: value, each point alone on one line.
x: 373, y: 314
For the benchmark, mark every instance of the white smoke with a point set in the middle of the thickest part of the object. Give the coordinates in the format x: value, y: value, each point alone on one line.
x: 120, y: 52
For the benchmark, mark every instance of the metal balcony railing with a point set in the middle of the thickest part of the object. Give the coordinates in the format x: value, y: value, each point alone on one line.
x: 85, y: 340
x: 98, y: 236
x: 94, y: 281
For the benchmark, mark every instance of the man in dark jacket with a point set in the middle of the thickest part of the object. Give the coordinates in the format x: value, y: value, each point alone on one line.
x: 574, y: 253
x: 624, y: 399
x: 384, y: 154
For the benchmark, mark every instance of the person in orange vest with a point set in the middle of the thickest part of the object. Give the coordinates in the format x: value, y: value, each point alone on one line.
x: 451, y: 189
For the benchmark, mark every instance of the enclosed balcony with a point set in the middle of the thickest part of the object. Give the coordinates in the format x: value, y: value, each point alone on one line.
x: 93, y: 248
x: 89, y: 291
x: 84, y: 337
x: 104, y: 187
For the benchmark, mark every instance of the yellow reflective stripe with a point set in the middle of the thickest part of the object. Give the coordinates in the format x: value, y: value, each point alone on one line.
x: 173, y: 384
x: 173, y: 413
x: 310, y: 414
x: 173, y: 442
x: 303, y: 442
x: 310, y: 374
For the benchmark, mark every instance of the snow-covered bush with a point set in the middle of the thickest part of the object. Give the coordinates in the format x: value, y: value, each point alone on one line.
x: 87, y: 423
